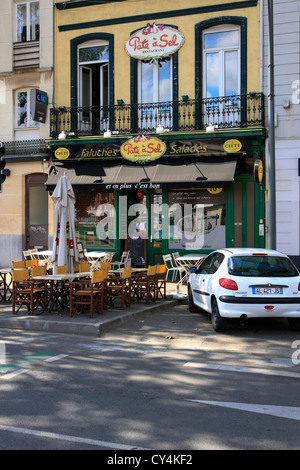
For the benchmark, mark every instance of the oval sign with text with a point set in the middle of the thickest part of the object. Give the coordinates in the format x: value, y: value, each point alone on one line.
x: 154, y: 42
x: 62, y: 153
x: 143, y: 149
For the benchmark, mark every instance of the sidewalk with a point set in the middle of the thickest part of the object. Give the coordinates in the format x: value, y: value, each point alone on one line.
x: 82, y: 324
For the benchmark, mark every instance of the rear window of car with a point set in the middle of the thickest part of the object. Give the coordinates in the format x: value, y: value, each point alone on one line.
x: 261, y: 266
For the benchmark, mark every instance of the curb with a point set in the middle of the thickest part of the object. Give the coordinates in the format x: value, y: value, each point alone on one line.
x: 83, y: 328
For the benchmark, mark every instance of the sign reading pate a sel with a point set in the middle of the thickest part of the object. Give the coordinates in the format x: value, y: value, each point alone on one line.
x: 154, y: 42
x: 143, y: 149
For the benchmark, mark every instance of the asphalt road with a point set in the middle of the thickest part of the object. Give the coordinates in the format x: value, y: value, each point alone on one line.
x: 165, y: 383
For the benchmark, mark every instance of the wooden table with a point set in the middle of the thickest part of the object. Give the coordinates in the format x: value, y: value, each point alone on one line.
x: 55, y: 285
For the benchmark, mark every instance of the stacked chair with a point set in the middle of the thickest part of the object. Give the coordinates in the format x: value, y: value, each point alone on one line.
x: 123, y: 262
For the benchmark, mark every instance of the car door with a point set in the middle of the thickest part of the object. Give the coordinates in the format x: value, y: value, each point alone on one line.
x: 202, y: 280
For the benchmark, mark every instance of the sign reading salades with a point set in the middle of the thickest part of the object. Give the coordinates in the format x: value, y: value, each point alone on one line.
x: 154, y: 42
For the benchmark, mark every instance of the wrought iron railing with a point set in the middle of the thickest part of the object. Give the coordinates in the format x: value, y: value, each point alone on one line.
x: 33, y: 147
x: 185, y: 115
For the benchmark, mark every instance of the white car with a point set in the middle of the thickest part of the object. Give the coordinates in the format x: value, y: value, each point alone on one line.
x: 245, y: 283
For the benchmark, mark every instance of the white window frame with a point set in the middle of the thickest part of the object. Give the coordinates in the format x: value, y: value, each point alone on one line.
x: 221, y: 51
x: 29, y: 123
x: 28, y: 20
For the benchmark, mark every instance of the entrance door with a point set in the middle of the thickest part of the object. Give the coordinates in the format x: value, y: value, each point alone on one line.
x: 156, y: 233
x: 36, y: 212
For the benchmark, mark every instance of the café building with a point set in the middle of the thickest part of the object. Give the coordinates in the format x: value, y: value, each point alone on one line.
x: 162, y: 139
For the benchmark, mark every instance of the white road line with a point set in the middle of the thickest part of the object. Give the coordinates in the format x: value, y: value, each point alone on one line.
x: 64, y: 437
x: 55, y: 358
x: 13, y: 374
x: 290, y: 412
x: 248, y: 370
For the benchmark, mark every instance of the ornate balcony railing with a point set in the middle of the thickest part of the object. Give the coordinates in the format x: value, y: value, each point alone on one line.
x: 239, y: 111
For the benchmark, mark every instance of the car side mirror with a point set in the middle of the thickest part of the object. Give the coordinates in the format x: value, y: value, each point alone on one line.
x: 193, y: 270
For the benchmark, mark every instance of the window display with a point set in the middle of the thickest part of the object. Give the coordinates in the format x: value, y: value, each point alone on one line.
x: 95, y: 219
x: 197, y: 219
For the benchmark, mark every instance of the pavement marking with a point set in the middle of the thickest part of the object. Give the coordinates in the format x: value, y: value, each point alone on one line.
x: 24, y: 362
x: 290, y: 412
x: 247, y: 370
x: 56, y: 358
x: 11, y: 375
x: 125, y: 348
x: 65, y: 437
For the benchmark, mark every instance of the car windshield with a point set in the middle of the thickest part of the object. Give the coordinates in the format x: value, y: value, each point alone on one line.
x: 261, y: 266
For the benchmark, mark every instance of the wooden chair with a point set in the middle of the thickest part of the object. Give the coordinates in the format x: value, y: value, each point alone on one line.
x: 161, y: 280
x: 144, y: 285
x: 26, y: 293
x: 39, y: 270
x: 61, y: 269
x: 106, y: 265
x: 84, y: 267
x: 18, y: 264
x: 119, y: 287
x: 32, y: 262
x: 88, y: 292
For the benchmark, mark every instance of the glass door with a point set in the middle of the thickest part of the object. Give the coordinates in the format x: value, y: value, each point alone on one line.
x: 156, y: 235
x: 221, y: 75
x: 85, y: 101
x: 104, y: 84
x: 155, y: 95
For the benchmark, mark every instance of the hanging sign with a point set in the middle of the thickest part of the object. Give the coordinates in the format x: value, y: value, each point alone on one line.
x: 38, y: 105
x: 154, y: 42
x: 143, y: 149
x: 258, y: 171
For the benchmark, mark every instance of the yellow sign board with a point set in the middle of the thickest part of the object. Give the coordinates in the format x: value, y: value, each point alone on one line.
x: 143, y: 149
x: 62, y: 153
x: 232, y: 146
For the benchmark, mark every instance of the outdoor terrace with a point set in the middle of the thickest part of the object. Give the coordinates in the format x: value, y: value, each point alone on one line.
x: 239, y: 111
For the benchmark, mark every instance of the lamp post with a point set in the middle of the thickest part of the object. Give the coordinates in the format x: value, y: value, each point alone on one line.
x: 271, y: 114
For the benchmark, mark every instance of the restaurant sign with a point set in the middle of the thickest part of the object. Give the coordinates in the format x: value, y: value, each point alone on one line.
x: 143, y: 149
x: 154, y: 42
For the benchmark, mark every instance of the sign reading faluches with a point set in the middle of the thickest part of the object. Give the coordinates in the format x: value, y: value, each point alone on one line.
x: 154, y: 42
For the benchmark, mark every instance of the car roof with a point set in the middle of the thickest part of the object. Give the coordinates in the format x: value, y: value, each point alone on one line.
x: 251, y: 251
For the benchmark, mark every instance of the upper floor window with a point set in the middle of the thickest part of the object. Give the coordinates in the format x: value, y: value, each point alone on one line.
x: 24, y: 118
x: 27, y: 21
x: 221, y: 49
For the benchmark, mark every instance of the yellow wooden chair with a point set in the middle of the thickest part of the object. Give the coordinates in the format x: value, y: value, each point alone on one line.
x: 144, y: 285
x: 88, y: 292
x: 119, y: 287
x: 18, y: 264
x: 26, y: 293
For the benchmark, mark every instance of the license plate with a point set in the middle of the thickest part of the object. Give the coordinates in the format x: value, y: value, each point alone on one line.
x: 267, y: 290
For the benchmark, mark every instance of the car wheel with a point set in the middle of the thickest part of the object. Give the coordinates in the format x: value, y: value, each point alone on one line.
x: 192, y: 307
x: 219, y: 323
x: 294, y: 324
